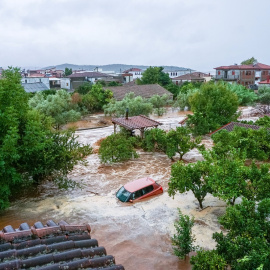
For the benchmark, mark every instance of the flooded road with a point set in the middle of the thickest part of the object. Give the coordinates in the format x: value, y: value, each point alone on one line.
x: 138, y: 234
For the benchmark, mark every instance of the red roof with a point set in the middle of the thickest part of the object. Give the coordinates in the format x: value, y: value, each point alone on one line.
x: 189, y: 76
x: 258, y: 66
x: 52, y: 246
x: 139, y: 184
x: 265, y: 82
x: 136, y: 122
x: 230, y: 127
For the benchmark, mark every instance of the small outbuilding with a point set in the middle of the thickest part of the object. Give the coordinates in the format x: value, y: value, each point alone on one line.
x: 140, y: 122
x: 230, y: 127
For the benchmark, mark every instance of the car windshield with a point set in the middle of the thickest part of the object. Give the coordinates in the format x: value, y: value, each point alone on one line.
x: 122, y: 194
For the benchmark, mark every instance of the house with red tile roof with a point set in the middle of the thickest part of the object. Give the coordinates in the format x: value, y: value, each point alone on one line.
x: 243, y: 74
x: 190, y: 77
x: 136, y: 73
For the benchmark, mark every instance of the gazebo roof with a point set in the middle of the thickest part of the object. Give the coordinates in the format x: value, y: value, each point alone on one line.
x: 136, y: 122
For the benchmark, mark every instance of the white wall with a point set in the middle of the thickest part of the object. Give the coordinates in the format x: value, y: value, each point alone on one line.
x: 65, y: 83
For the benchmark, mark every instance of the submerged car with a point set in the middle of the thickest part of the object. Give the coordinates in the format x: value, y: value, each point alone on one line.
x: 139, y: 189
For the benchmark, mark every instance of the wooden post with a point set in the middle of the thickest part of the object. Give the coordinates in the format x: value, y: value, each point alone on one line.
x: 142, y: 132
x: 114, y: 128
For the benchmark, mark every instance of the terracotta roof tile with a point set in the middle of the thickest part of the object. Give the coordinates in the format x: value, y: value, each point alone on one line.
x: 189, y: 76
x: 52, y: 246
x: 230, y: 127
x: 136, y: 122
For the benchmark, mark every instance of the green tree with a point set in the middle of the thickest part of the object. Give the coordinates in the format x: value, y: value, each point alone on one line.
x: 84, y: 88
x: 213, y: 105
x: 58, y: 106
x: 264, y: 96
x: 183, y: 240
x: 263, y: 121
x: 246, y: 246
x: 136, y: 105
x: 117, y: 148
x: 159, y: 102
x: 154, y: 75
x: 114, y: 83
x: 182, y: 99
x: 96, y: 98
x: 155, y: 140
x: 255, y: 143
x: 29, y: 150
x: 249, y: 61
x: 180, y: 141
x: 245, y: 96
x: 192, y: 177
x: 208, y: 260
x: 227, y: 174
x: 68, y: 71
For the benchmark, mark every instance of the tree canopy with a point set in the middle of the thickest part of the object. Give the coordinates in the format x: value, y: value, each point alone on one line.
x: 68, y: 71
x: 213, y: 105
x: 30, y: 150
x: 58, y: 106
x: 154, y: 75
x: 249, y: 61
x: 136, y: 105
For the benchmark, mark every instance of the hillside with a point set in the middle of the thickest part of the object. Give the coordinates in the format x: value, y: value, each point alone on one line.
x: 111, y: 67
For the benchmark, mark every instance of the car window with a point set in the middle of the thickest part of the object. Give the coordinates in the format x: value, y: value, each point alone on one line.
x: 137, y: 194
x: 148, y: 189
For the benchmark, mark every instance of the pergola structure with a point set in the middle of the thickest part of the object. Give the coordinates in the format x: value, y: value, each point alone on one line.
x: 140, y: 122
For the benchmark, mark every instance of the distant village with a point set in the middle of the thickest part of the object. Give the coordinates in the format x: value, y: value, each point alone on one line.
x: 252, y: 76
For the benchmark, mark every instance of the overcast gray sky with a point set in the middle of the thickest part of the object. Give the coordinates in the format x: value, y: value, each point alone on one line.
x: 195, y: 34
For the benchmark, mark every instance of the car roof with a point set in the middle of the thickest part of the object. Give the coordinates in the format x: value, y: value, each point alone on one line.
x: 139, y: 183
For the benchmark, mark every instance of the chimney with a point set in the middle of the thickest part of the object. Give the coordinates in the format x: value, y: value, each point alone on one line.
x: 126, y: 113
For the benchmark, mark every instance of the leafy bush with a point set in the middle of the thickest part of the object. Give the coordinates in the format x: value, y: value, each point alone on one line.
x: 182, y: 241
x: 154, y: 140
x: 208, y: 260
x: 159, y: 102
x: 58, y: 106
x: 116, y: 148
x: 136, y: 105
x: 245, y: 96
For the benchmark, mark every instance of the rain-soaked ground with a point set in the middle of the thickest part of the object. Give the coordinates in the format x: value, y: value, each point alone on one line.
x: 138, y: 234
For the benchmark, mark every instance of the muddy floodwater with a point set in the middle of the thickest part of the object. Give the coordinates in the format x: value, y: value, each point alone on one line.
x: 138, y: 234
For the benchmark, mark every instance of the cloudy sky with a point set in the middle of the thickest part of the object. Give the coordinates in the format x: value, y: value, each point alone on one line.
x: 195, y: 34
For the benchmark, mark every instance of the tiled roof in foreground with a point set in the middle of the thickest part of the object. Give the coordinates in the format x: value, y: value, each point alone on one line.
x: 230, y: 126
x: 52, y: 246
x: 136, y: 122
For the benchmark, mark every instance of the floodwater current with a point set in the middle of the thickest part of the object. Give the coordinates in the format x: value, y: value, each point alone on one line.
x: 137, y: 234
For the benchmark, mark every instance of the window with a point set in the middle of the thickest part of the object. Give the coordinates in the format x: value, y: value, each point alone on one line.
x: 67, y: 84
x: 137, y: 194
x: 248, y: 73
x: 176, y: 82
x: 25, y: 81
x: 147, y: 189
x: 233, y: 72
x: 218, y: 73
